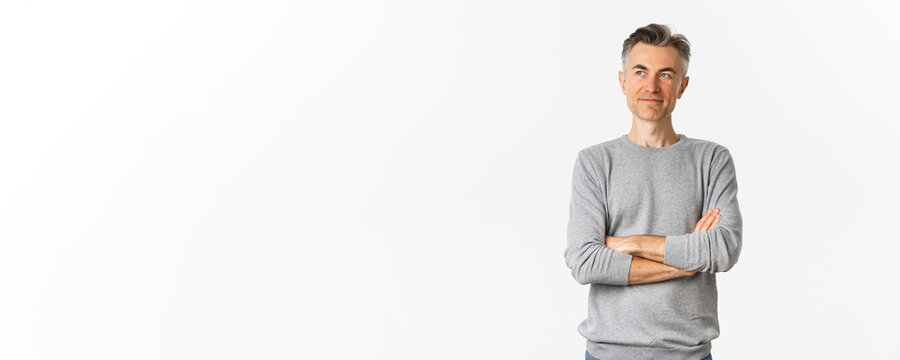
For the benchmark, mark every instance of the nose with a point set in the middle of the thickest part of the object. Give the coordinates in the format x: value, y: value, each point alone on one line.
x: 653, y: 86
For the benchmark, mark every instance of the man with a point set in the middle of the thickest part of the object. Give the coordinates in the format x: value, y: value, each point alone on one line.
x: 640, y: 229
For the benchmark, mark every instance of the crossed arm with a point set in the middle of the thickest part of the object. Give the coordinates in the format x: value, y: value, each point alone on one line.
x: 649, y: 251
x: 595, y: 258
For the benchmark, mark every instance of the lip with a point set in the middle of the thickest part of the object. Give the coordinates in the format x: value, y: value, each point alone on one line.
x: 654, y: 101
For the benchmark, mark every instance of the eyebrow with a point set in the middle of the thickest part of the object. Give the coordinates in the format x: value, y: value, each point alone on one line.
x: 668, y: 69
x: 642, y: 67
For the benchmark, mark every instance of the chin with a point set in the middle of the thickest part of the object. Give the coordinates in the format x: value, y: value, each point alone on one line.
x: 653, y: 117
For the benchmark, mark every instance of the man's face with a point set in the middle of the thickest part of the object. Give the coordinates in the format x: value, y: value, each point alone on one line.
x: 652, y: 81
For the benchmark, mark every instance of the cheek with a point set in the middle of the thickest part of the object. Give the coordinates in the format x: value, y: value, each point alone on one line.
x: 674, y: 92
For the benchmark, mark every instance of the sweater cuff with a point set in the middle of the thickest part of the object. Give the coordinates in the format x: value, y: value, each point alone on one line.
x: 622, y: 268
x: 676, y: 251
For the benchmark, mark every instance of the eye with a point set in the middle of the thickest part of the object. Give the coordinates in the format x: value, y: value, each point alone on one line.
x: 666, y: 75
x: 640, y: 72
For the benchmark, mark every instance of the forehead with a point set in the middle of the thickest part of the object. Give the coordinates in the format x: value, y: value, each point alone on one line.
x: 654, y: 57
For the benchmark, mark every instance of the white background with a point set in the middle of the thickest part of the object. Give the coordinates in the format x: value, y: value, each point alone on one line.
x: 390, y: 180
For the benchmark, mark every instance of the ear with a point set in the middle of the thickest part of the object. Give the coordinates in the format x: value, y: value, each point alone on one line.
x: 684, y: 84
x: 622, y: 81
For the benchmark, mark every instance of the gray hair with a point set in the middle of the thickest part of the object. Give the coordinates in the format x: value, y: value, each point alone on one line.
x: 658, y: 35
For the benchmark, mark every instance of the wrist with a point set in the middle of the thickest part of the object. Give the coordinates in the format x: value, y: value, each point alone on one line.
x: 651, y: 247
x: 636, y: 245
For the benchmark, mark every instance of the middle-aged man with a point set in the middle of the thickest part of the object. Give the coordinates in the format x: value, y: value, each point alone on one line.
x: 653, y: 217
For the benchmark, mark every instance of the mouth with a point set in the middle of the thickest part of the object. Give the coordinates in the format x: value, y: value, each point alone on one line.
x: 651, y: 101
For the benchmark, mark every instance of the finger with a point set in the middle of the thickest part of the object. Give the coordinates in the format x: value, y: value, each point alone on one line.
x: 716, y: 221
x: 713, y: 219
x: 708, y: 221
x: 702, y: 219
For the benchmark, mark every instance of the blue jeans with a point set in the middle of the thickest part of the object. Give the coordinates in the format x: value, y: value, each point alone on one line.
x: 587, y: 356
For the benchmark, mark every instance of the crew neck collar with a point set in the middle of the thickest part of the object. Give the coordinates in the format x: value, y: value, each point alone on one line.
x: 682, y: 139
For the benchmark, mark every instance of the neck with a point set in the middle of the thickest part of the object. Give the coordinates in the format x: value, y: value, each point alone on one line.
x: 654, y: 134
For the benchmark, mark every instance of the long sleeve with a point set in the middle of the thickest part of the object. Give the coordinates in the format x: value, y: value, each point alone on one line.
x: 586, y: 253
x: 717, y: 249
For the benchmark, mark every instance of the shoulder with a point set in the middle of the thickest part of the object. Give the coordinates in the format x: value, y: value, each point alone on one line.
x: 708, y: 149
x: 713, y: 156
x: 600, y: 150
x: 595, y: 158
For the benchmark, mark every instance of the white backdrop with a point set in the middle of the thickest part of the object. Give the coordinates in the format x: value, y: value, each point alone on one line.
x: 390, y: 180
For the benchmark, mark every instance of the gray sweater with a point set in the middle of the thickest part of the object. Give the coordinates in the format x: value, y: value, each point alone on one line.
x: 619, y: 189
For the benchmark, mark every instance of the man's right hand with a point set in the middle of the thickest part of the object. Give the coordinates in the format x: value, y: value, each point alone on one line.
x: 708, y: 221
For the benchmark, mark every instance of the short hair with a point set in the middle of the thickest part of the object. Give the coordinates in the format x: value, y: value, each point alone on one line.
x: 658, y: 35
